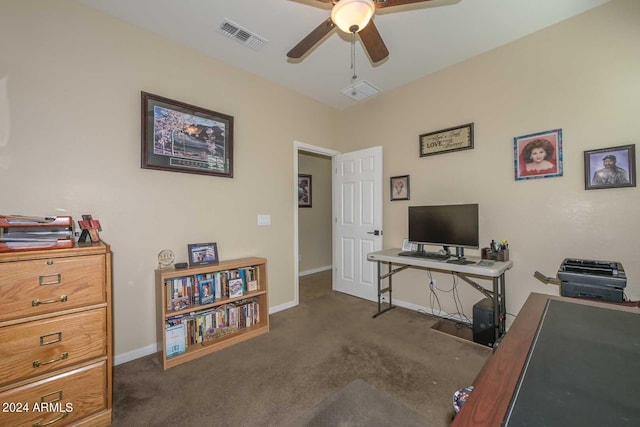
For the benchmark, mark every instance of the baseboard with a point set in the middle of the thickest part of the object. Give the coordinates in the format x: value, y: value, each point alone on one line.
x: 315, y: 270
x: 429, y: 310
x: 282, y: 307
x: 135, y: 354
x: 154, y: 348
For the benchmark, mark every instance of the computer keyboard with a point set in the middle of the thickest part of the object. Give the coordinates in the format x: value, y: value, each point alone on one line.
x: 427, y: 255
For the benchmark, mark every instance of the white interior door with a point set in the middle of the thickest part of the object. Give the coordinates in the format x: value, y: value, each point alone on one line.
x: 357, y: 228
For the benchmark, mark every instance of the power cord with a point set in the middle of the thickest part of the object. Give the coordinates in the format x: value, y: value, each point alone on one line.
x: 434, y: 299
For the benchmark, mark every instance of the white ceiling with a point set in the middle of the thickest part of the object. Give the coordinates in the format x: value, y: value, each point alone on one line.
x: 422, y: 38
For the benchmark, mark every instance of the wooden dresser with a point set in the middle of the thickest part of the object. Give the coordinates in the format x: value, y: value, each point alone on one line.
x: 56, y: 346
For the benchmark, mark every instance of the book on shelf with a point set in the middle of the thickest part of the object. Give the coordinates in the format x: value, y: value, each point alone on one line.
x: 214, y: 334
x: 251, y: 279
x: 206, y: 291
x: 248, y: 275
x: 205, y: 326
x: 179, y: 293
x: 217, y: 285
x: 235, y: 288
x: 176, y: 341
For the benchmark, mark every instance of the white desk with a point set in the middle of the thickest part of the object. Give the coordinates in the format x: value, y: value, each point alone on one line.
x: 495, y: 272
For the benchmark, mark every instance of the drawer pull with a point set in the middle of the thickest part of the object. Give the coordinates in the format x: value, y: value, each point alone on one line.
x: 62, y: 416
x: 55, y: 396
x: 51, y: 338
x: 37, y: 302
x: 63, y: 356
x: 50, y: 279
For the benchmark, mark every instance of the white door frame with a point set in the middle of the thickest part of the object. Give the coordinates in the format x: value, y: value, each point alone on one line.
x: 297, y: 148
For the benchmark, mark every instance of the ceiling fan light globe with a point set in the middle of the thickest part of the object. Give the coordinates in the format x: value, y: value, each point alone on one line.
x: 349, y: 14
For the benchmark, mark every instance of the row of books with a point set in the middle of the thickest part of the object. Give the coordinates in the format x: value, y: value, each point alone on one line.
x: 200, y: 289
x: 204, y: 327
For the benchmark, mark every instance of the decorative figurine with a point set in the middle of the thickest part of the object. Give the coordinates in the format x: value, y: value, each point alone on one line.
x: 90, y: 228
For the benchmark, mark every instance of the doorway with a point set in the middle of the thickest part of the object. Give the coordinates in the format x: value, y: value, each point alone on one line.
x: 313, y: 227
x: 356, y: 218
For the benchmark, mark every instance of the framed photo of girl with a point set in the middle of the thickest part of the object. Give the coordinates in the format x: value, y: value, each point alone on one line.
x: 538, y: 155
x: 612, y: 167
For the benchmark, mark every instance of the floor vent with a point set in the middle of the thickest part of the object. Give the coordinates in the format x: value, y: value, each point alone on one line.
x: 242, y: 35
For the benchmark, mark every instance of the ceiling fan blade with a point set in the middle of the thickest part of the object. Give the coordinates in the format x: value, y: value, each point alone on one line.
x: 373, y: 42
x: 314, y: 37
x: 389, y: 3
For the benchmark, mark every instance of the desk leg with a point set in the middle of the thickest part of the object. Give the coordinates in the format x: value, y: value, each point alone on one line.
x: 503, y: 305
x: 381, y: 291
x: 499, y: 307
x: 497, y: 327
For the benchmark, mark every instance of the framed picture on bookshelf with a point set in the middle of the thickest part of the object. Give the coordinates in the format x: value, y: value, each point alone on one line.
x: 180, y: 137
x: 203, y: 253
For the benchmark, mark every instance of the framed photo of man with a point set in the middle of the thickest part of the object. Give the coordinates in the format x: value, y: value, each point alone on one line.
x: 612, y: 167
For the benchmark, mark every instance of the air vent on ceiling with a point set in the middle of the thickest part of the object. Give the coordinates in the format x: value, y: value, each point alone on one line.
x: 242, y: 35
x: 360, y: 90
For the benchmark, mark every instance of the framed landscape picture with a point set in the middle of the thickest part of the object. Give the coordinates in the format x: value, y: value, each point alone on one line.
x: 612, y: 167
x: 184, y: 138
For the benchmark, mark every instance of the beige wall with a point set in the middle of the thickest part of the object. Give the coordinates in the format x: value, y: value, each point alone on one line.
x: 70, y: 79
x: 581, y: 75
x: 70, y: 145
x: 314, y: 224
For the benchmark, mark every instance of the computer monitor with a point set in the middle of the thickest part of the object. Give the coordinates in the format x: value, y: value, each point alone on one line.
x: 445, y: 225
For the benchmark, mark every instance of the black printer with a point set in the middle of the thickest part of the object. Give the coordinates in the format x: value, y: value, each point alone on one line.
x: 592, y: 279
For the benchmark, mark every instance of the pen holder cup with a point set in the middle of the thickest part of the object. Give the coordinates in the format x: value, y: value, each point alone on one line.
x: 500, y: 255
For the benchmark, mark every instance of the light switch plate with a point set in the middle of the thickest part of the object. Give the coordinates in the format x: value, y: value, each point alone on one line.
x: 264, y: 219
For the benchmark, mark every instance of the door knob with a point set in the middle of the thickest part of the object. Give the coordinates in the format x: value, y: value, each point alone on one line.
x: 375, y: 232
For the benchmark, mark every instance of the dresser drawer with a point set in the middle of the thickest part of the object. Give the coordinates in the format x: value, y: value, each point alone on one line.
x: 38, y: 347
x: 79, y: 393
x: 34, y: 287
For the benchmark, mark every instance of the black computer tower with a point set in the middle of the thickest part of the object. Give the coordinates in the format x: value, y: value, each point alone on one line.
x: 483, y: 326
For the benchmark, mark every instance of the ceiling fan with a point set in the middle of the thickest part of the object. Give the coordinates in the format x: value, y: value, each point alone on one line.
x: 351, y: 16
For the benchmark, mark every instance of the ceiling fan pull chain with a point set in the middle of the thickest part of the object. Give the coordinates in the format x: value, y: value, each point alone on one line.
x: 353, y: 55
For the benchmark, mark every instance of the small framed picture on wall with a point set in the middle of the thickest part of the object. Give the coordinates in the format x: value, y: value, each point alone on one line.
x: 612, y: 167
x: 304, y: 191
x: 400, y: 187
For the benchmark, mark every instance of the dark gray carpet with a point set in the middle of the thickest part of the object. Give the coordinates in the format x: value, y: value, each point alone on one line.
x: 360, y: 405
x: 312, y: 351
